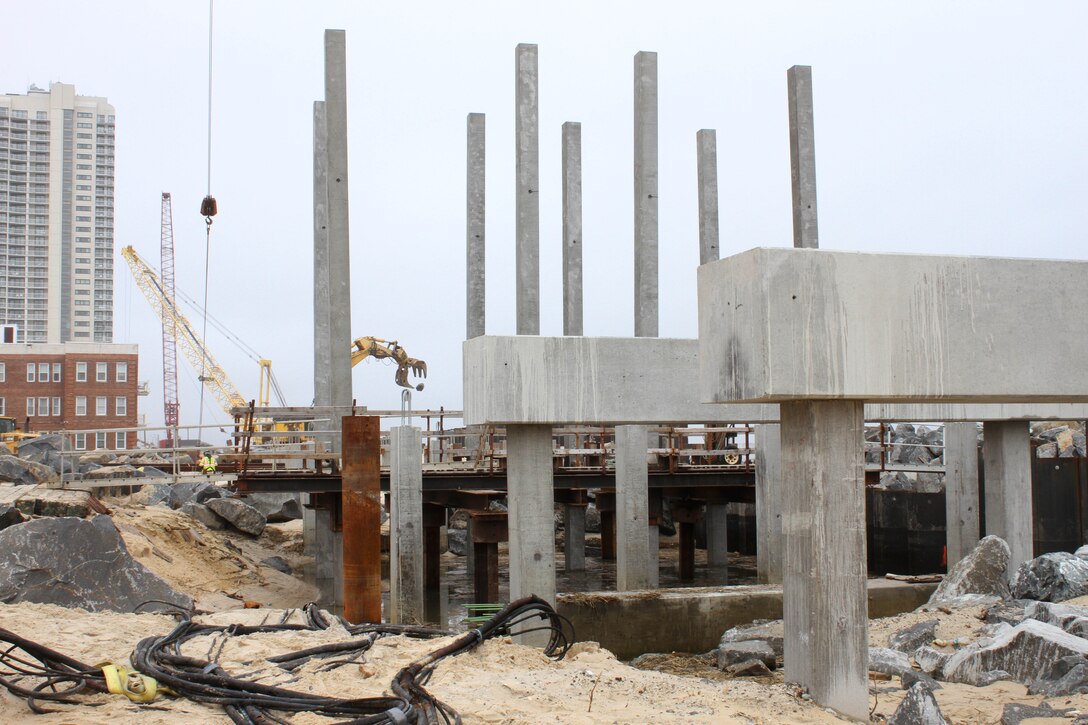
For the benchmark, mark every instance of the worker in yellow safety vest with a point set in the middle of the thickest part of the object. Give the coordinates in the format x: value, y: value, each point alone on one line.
x: 208, y: 463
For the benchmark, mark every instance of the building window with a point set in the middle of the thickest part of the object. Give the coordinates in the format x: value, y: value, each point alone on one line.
x: 43, y: 406
x: 29, y: 407
x: 101, y: 371
x: 120, y: 405
x: 100, y: 441
x: 43, y: 372
x: 3, y: 373
x: 3, y: 407
x: 119, y: 441
x: 31, y: 372
x: 100, y: 405
x: 122, y: 372
x: 56, y: 406
x: 81, y: 441
x: 81, y: 405
x: 81, y: 372
x: 56, y: 372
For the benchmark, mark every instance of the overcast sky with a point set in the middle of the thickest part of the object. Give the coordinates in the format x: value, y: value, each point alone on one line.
x: 950, y: 128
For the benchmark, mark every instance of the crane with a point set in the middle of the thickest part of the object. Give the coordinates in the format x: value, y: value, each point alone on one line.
x: 215, y: 378
x: 364, y: 347
x: 169, y: 329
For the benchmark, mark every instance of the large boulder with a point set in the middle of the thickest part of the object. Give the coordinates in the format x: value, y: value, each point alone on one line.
x: 457, y: 541
x: 10, y: 516
x: 195, y: 492
x: 17, y: 470
x: 983, y: 571
x: 241, y: 515
x: 1070, y: 618
x: 47, y: 450
x: 919, y: 707
x: 768, y: 632
x: 153, y: 493
x: 909, y: 639
x: 889, y: 661
x: 113, y: 471
x: 78, y: 563
x: 735, y: 653
x: 1027, y: 652
x: 276, y: 507
x: 1051, y: 577
x: 204, y: 515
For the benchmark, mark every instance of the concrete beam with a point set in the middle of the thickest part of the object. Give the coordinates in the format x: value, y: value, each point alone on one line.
x: 802, y: 157
x: 475, y: 282
x: 1006, y: 460
x: 336, y: 123
x: 826, y: 625
x: 706, y: 144
x: 646, y: 293
x: 527, y: 253
x: 632, y: 517
x: 406, y: 601
x: 606, y: 380
x: 532, y: 531
x: 961, y: 489
x: 769, y: 542
x: 572, y: 228
x: 788, y: 324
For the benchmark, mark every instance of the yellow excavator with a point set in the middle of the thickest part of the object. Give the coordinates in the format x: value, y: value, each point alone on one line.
x: 377, y: 348
x: 11, y: 436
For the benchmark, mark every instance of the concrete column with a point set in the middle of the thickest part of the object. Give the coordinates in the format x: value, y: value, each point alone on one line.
x: 474, y: 233
x: 572, y: 228
x: 802, y: 156
x: 574, y: 539
x: 706, y: 144
x: 1006, y: 460
x: 717, y: 537
x: 653, y: 556
x: 960, y: 489
x: 632, y: 516
x: 527, y: 257
x: 322, y: 340
x: 532, y: 531
x: 646, y: 306
x: 328, y: 565
x: 336, y: 124
x: 769, y: 541
x: 406, y: 603
x: 824, y: 593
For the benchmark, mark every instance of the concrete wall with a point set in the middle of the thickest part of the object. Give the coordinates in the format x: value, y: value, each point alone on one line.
x: 778, y: 324
x: 693, y: 620
x: 609, y: 380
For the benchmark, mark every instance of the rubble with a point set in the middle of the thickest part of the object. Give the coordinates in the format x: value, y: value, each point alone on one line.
x: 155, y: 493
x: 913, y: 637
x: 9, y: 516
x: 204, y: 515
x: 1051, y: 577
x: 1015, y: 713
x: 930, y: 660
x: 736, y: 653
x: 889, y: 661
x: 1071, y: 619
x: 910, y: 678
x: 195, y: 492
x: 241, y: 515
x: 276, y: 507
x: 47, y: 450
x: 983, y: 571
x: 918, y: 708
x: 1027, y: 652
x: 749, y: 668
x: 77, y: 563
x: 764, y: 631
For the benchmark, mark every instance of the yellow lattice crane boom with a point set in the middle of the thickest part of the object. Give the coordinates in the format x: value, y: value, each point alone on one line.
x: 215, y: 378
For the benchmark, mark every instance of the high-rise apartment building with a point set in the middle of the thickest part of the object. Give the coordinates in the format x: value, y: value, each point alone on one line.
x: 56, y: 216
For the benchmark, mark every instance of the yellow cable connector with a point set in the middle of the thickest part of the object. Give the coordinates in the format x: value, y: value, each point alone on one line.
x: 136, y: 687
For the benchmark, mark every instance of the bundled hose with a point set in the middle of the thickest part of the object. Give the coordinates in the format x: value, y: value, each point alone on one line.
x: 59, y: 678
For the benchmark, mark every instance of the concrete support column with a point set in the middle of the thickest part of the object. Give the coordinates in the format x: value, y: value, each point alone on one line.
x: 632, y: 517
x: 328, y: 564
x: 717, y: 533
x: 706, y: 143
x: 322, y: 340
x: 336, y: 124
x: 1006, y: 460
x: 527, y: 253
x: 769, y: 485
x: 474, y: 232
x: 646, y: 297
x: 532, y: 531
x: 960, y: 489
x: 572, y: 228
x: 406, y: 603
x: 802, y: 156
x: 824, y: 593
x: 574, y: 540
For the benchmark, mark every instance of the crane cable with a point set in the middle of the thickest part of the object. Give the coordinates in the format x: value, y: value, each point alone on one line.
x: 207, y: 209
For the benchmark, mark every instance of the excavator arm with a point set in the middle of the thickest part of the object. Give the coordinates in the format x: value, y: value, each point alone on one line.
x: 378, y: 348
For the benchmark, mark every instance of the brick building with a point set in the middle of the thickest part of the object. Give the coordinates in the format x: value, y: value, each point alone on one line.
x: 72, y: 386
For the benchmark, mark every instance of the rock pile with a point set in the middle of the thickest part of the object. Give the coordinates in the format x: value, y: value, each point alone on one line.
x: 1059, y: 439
